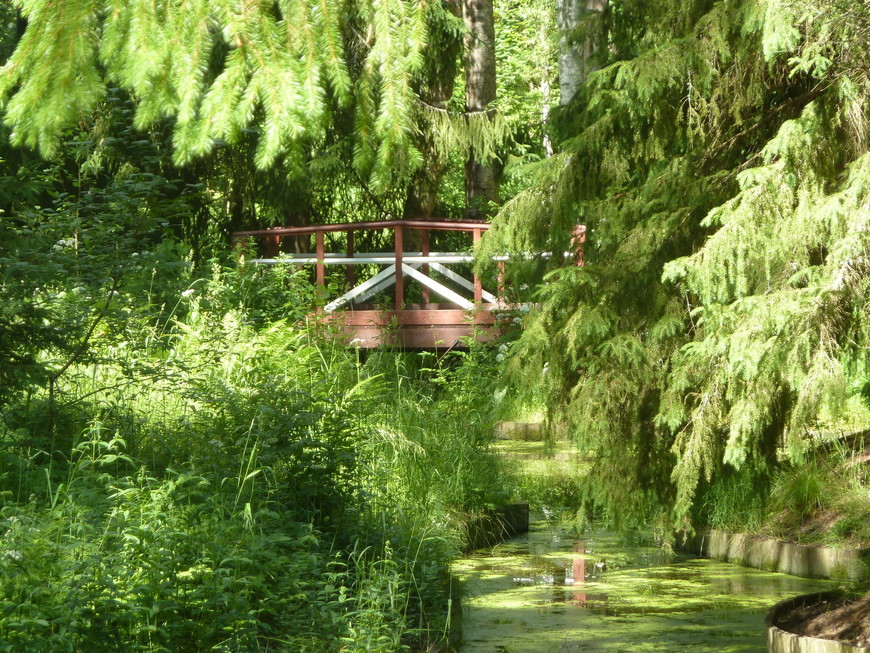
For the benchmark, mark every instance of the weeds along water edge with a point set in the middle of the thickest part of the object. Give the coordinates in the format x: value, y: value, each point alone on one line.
x: 220, y: 477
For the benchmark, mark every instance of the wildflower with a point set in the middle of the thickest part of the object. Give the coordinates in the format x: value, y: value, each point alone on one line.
x: 13, y: 555
x: 188, y: 292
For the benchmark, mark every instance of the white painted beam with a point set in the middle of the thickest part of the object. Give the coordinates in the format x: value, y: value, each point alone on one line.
x: 383, y: 279
x: 462, y: 281
x: 438, y: 288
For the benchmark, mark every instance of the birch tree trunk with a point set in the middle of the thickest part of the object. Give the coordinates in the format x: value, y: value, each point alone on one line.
x: 577, y: 57
x: 545, y: 93
x: 481, y: 177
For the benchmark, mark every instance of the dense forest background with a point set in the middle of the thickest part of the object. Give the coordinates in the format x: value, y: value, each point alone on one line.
x: 187, y: 463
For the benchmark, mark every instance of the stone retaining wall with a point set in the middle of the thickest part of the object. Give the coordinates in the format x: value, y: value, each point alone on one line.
x: 525, y: 431
x: 786, y: 557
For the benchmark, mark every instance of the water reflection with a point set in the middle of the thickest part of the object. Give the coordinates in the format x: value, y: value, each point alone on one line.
x: 540, y: 592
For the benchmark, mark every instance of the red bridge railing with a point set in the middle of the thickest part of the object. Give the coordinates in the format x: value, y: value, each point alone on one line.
x: 418, y: 325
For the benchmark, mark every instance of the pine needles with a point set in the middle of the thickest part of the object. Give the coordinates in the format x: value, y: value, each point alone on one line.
x: 286, y: 69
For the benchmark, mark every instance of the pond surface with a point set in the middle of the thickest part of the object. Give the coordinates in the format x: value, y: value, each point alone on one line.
x: 552, y: 592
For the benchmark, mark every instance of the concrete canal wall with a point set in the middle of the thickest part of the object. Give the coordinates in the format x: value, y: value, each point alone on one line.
x: 782, y: 641
x: 786, y: 557
x: 497, y: 525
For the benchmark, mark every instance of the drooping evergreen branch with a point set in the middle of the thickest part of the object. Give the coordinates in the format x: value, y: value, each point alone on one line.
x: 721, y: 315
x: 282, y: 68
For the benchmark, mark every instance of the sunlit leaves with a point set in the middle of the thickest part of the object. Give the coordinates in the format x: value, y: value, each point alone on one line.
x: 280, y: 67
x: 719, y: 164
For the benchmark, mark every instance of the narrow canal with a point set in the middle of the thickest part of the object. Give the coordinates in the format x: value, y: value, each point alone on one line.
x: 552, y: 592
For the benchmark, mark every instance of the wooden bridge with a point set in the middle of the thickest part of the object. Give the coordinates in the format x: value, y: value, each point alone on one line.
x: 465, y: 310
x: 465, y: 307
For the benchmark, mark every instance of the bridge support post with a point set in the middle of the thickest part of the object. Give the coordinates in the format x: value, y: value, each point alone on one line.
x: 273, y: 245
x: 398, y: 233
x: 425, y: 267
x: 351, y: 269
x: 478, y: 288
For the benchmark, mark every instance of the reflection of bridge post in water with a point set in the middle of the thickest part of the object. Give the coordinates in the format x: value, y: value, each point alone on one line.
x: 579, y: 573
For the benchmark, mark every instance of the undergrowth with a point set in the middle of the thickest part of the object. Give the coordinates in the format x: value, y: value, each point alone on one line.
x: 217, y: 476
x: 821, y: 498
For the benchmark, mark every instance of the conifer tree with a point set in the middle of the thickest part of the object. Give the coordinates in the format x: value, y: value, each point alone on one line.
x: 218, y: 69
x: 720, y: 163
x: 481, y: 175
x: 578, y: 54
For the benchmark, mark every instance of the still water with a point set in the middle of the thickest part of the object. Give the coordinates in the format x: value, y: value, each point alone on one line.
x: 552, y: 592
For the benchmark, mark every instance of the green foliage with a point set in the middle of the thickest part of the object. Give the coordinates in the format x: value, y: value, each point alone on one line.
x: 819, y: 498
x: 719, y: 164
x: 737, y: 501
x: 290, y: 69
x: 217, y: 479
x: 74, y: 269
x: 146, y: 564
x: 527, y: 71
x: 440, y: 418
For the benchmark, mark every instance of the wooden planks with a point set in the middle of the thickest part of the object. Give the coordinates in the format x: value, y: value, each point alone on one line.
x: 411, y: 328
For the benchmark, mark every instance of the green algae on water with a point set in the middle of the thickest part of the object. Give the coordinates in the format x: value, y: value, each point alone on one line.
x: 550, y: 593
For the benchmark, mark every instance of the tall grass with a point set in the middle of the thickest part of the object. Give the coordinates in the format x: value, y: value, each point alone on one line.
x: 219, y: 478
x: 823, y: 498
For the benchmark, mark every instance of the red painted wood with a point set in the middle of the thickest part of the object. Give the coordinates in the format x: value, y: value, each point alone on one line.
x: 400, y: 278
x: 478, y: 288
x: 320, y: 269
x: 351, y: 269
x: 440, y: 225
x: 273, y: 245
x: 427, y: 325
x: 419, y: 317
x: 500, y: 283
x: 438, y: 337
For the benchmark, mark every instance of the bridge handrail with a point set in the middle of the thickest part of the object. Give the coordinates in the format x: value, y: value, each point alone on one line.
x: 385, y: 257
x: 437, y: 225
x: 425, y: 258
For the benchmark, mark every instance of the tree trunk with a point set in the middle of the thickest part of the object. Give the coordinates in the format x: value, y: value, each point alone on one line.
x: 545, y: 93
x: 481, y: 177
x: 577, y: 57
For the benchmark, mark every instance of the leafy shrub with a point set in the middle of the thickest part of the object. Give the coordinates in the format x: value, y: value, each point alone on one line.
x: 220, y: 480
